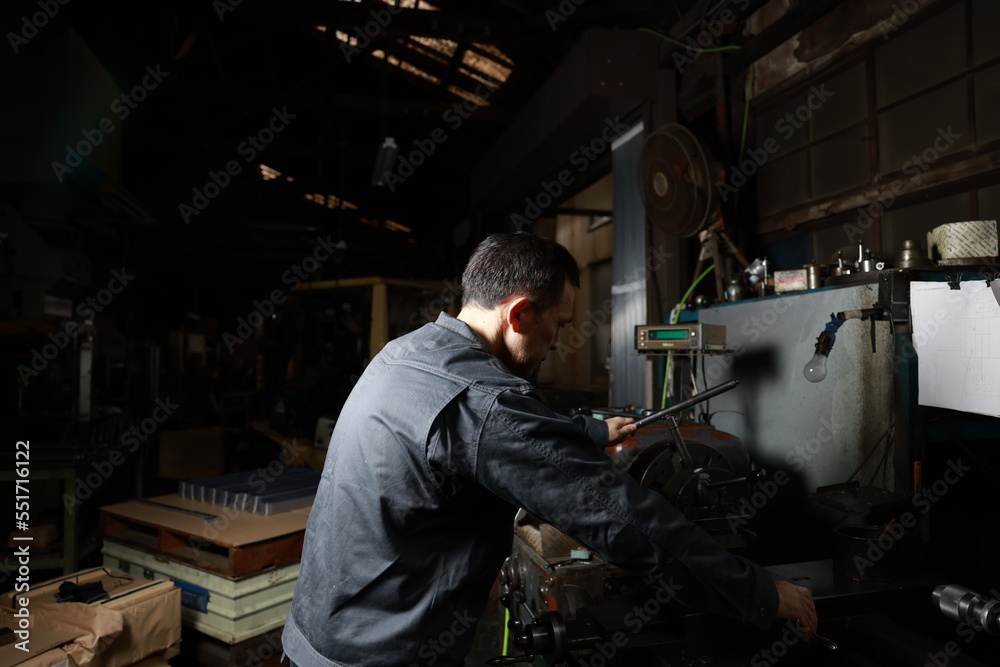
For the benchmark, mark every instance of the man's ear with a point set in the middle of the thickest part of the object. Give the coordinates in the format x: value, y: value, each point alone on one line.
x: 516, y: 310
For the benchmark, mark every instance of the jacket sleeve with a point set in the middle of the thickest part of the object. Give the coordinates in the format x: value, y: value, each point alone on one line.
x: 547, y: 464
x: 595, y: 428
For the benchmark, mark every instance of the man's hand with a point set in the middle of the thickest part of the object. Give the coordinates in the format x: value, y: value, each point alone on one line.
x: 795, y: 602
x: 619, y: 428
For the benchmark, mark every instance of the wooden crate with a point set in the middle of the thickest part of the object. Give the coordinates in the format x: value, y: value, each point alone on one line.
x: 230, y: 610
x: 236, y: 544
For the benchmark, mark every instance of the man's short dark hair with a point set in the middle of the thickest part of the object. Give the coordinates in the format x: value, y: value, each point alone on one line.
x: 518, y: 263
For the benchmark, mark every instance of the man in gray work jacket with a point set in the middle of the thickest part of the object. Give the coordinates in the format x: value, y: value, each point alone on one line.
x: 440, y: 442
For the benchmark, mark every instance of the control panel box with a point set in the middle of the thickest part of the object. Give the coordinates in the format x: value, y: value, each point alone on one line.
x: 695, y: 336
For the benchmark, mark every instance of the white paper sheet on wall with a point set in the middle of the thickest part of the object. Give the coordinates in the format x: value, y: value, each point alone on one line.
x: 957, y: 337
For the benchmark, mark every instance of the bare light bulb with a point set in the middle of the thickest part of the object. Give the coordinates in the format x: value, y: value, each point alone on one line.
x: 815, y: 370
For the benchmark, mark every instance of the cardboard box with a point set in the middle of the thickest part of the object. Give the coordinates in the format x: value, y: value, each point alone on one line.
x: 140, y: 619
x: 790, y: 281
x: 192, y: 453
x: 233, y: 528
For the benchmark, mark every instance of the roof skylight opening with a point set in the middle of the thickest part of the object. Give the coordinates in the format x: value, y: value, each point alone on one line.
x: 329, y: 201
x: 385, y: 224
x: 414, y: 4
x: 407, y: 67
x: 268, y: 173
x: 443, y: 46
x: 466, y: 95
x: 486, y: 66
x: 486, y: 81
x: 494, y: 52
x: 428, y: 53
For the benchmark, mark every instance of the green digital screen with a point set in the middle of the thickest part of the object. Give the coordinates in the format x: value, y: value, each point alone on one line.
x: 668, y: 334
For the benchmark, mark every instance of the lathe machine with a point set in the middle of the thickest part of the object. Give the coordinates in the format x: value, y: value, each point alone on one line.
x: 563, y: 603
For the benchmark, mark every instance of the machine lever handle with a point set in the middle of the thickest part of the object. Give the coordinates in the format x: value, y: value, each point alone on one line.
x: 758, y: 475
x: 684, y: 405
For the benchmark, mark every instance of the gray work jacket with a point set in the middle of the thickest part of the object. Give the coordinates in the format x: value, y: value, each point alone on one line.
x: 435, y: 449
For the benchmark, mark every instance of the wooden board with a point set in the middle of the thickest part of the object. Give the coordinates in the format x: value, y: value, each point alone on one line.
x: 233, y: 528
x: 236, y: 544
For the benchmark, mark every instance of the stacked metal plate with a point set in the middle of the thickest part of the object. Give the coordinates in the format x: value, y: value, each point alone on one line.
x: 259, y: 492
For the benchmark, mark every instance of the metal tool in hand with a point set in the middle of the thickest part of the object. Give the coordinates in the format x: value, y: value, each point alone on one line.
x: 671, y: 422
x: 684, y: 405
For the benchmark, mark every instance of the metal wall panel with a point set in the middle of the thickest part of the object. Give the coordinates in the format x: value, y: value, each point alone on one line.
x: 629, y: 275
x: 818, y: 432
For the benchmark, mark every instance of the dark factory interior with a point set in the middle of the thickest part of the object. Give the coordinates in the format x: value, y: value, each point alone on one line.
x: 259, y: 409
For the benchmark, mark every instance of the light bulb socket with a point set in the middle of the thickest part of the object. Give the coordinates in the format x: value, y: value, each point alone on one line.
x: 824, y: 343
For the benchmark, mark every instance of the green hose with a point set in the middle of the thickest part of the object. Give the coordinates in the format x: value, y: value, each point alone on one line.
x: 506, y: 631
x: 677, y: 316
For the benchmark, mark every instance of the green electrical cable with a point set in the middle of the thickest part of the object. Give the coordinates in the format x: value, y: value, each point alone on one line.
x: 714, y: 49
x: 743, y: 133
x: 746, y: 109
x: 677, y: 316
x: 506, y: 631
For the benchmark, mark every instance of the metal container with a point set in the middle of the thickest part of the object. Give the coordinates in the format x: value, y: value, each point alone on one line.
x: 912, y: 256
x: 736, y: 290
x: 871, y: 553
x: 814, y: 275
